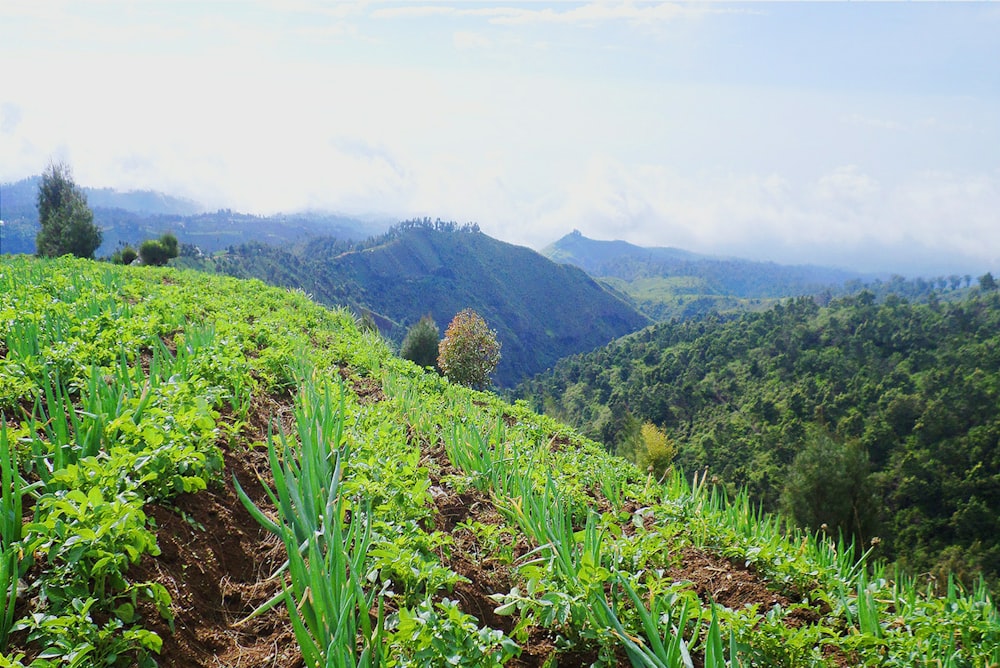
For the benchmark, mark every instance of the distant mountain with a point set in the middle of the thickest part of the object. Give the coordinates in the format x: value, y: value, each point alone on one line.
x: 134, y: 216
x: 542, y: 311
x: 611, y: 258
x: 668, y: 282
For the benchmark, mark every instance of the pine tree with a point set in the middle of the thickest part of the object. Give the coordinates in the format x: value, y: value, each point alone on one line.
x: 421, y: 343
x: 67, y: 223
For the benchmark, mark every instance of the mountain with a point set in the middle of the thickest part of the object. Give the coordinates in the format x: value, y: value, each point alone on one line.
x: 130, y: 218
x: 170, y: 439
x: 541, y: 311
x: 670, y: 283
x: 876, y: 418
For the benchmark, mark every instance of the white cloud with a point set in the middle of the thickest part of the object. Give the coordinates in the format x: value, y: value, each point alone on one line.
x: 466, y: 40
x: 781, y: 218
x: 593, y: 13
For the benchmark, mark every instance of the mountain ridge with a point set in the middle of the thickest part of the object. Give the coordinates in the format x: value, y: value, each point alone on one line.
x: 670, y: 283
x: 541, y: 310
x: 131, y: 217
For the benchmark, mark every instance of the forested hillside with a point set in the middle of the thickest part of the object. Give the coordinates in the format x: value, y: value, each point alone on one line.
x: 669, y: 283
x: 540, y: 310
x: 878, y: 418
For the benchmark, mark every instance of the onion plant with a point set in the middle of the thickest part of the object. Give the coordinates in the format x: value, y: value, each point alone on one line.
x: 11, y: 491
x: 324, y: 590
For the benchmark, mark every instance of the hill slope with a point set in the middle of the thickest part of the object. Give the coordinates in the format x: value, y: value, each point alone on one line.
x: 438, y: 524
x: 669, y: 282
x: 540, y: 310
x: 879, y: 419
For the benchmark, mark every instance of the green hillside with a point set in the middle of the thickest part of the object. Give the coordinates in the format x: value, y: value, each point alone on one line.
x: 198, y: 471
x: 540, y: 310
x: 669, y: 283
x: 879, y: 418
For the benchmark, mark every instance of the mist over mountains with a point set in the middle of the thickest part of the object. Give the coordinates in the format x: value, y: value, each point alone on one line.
x: 128, y: 218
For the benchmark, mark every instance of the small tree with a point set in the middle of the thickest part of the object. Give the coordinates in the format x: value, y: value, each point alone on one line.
x: 67, y: 223
x: 828, y: 484
x: 469, y: 351
x: 152, y: 253
x: 169, y: 243
x: 421, y: 343
x: 658, y: 449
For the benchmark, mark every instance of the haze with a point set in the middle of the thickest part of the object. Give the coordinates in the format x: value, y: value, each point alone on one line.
x: 858, y: 135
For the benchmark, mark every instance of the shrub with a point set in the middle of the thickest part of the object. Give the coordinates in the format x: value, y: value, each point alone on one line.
x: 469, y: 351
x: 157, y: 252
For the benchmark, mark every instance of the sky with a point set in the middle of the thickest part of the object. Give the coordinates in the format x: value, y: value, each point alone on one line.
x: 859, y: 135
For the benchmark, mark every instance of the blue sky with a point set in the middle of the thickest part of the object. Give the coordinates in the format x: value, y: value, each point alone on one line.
x: 861, y: 135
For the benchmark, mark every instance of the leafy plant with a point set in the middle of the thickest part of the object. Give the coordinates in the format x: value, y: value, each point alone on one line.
x: 441, y: 632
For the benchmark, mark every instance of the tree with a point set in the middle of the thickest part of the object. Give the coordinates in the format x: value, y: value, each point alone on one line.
x: 469, y: 351
x: 828, y: 485
x: 169, y: 243
x: 67, y: 223
x: 658, y: 450
x: 987, y: 282
x: 421, y: 343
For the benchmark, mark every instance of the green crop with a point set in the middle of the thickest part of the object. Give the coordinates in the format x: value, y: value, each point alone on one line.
x: 117, y: 386
x: 325, y: 598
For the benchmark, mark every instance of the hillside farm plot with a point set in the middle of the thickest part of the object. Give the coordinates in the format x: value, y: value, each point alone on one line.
x: 206, y: 472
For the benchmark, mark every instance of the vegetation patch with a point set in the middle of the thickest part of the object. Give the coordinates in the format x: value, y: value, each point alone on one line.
x: 198, y: 471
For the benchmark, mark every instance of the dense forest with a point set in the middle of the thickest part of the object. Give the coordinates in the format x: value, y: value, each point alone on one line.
x: 875, y: 417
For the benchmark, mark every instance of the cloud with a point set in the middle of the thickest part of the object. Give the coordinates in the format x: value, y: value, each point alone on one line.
x: 414, y: 12
x: 841, y: 217
x: 10, y: 117
x: 465, y: 40
x: 580, y: 14
x: 866, y: 121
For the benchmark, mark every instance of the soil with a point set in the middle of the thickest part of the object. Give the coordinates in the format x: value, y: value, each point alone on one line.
x: 726, y: 582
x: 215, y: 561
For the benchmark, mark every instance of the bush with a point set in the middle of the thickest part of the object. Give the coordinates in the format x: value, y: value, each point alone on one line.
x: 421, y: 343
x: 152, y: 253
x: 828, y: 485
x: 157, y: 252
x: 469, y: 352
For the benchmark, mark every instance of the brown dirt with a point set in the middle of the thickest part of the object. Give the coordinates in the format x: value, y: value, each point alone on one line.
x: 218, y: 575
x: 724, y: 581
x: 486, y: 574
x: 367, y: 389
x: 559, y: 442
x: 215, y: 561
